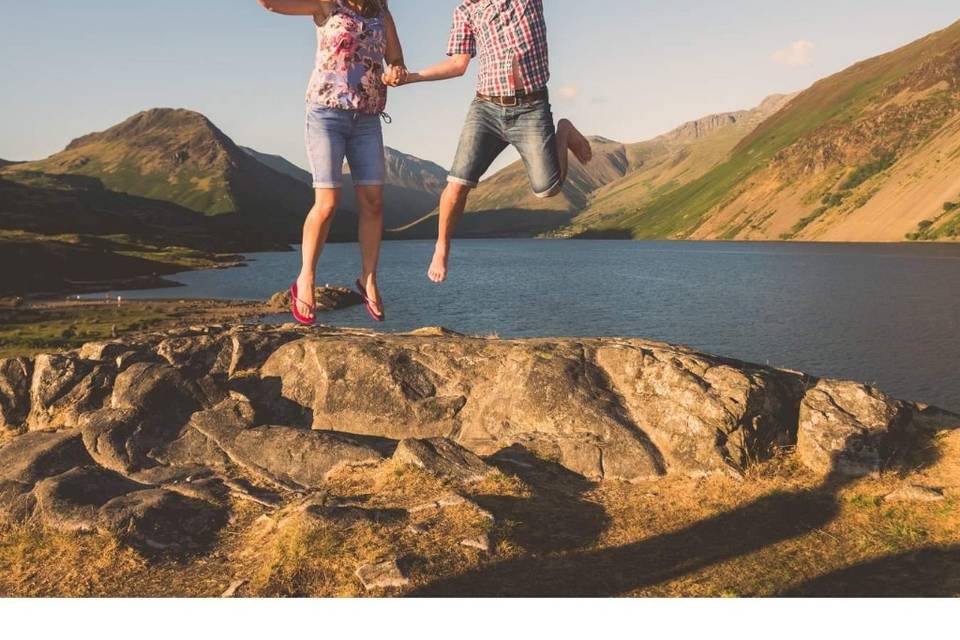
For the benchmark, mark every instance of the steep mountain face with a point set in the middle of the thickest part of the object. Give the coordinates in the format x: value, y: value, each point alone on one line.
x: 670, y: 160
x: 179, y: 156
x: 869, y: 154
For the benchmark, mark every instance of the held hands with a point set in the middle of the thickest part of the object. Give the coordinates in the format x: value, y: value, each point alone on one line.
x: 395, y: 75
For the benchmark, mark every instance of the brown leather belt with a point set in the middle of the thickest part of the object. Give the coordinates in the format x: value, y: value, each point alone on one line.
x: 514, y: 101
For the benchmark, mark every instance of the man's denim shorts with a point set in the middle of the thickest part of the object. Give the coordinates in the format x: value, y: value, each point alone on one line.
x: 529, y: 128
x: 335, y: 134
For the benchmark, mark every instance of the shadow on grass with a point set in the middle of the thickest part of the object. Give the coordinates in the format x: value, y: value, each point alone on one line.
x: 767, y: 521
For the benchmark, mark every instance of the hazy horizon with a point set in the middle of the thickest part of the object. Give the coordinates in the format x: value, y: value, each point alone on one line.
x: 643, y: 70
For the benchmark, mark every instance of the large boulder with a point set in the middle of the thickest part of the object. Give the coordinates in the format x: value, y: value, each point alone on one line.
x: 63, y: 388
x: 486, y: 395
x: 159, y: 520
x: 93, y: 499
x: 15, y: 377
x: 614, y: 409
x: 34, y: 456
x: 846, y: 428
x: 703, y: 414
x: 123, y: 439
x: 158, y: 390
x: 71, y: 501
x: 284, y: 456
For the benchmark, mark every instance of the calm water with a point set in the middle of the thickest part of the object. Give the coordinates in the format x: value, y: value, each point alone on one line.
x: 885, y: 314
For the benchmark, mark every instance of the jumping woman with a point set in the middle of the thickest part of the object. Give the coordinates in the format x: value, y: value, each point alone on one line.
x: 346, y: 97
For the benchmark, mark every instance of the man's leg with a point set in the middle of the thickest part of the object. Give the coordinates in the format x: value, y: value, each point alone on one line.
x: 481, y: 141
x: 452, y: 203
x: 544, y: 147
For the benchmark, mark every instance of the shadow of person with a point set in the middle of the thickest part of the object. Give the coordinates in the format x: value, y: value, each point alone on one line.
x: 556, y: 517
x: 767, y: 521
x: 930, y: 572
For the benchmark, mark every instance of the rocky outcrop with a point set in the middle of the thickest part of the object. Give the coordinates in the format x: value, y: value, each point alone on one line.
x: 327, y: 298
x: 150, y: 440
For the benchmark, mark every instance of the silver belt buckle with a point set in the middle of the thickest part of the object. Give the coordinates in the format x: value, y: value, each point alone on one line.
x: 516, y: 101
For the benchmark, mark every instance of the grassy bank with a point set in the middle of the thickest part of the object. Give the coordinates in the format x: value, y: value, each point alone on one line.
x: 35, y: 327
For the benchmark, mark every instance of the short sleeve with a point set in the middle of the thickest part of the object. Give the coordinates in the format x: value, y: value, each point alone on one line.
x: 462, y: 40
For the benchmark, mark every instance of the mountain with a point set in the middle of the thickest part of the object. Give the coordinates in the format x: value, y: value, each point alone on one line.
x: 675, y: 158
x: 869, y: 154
x: 68, y: 233
x: 280, y: 165
x: 412, y: 189
x: 179, y: 156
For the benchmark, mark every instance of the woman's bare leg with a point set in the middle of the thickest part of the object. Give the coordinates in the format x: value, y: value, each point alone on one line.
x: 370, y: 200
x: 316, y: 228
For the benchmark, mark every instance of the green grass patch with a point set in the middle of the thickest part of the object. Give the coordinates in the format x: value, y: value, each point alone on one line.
x: 860, y: 175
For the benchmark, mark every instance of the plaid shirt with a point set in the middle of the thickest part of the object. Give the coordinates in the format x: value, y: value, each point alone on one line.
x: 501, y: 30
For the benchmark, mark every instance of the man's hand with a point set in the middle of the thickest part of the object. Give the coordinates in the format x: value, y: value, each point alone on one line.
x: 395, y: 75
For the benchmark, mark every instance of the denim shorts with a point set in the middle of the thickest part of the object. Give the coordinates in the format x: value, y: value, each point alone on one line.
x: 529, y: 128
x: 335, y: 134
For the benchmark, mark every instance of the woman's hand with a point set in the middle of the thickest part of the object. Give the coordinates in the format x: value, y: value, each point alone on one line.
x: 395, y: 75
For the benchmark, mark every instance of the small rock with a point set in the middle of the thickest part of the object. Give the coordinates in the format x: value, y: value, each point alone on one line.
x: 233, y: 588
x: 103, y: 351
x: 382, y: 575
x: 444, y: 459
x: 418, y: 529
x: 915, y: 493
x: 481, y: 542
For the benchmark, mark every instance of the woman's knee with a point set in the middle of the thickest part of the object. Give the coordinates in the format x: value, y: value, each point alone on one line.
x: 370, y: 201
x: 324, y: 207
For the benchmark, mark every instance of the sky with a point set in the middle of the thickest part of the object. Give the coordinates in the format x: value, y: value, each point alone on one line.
x: 624, y: 69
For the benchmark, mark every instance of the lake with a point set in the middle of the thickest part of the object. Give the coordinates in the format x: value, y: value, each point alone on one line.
x: 883, y: 314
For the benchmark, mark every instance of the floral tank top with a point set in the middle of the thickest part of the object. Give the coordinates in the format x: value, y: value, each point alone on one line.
x: 349, y: 65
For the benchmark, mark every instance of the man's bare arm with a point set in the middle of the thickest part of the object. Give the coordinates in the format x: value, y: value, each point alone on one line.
x: 453, y: 67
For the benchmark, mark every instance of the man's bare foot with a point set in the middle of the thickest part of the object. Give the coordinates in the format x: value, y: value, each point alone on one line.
x: 305, y: 295
x: 575, y: 141
x: 438, y: 267
x: 580, y: 146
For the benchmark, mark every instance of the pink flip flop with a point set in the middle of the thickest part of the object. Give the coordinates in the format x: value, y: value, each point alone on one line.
x: 302, y: 319
x: 377, y: 315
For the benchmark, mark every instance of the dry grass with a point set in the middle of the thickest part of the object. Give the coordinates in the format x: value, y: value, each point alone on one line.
x: 779, y: 531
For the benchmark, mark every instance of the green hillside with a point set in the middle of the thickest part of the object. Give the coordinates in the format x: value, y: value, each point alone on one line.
x: 838, y: 100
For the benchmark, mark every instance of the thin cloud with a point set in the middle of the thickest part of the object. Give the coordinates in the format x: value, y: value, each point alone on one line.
x: 796, y: 54
x: 568, y: 92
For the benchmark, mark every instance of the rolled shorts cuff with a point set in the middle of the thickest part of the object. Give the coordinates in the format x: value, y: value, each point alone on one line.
x: 463, y: 181
x: 551, y: 192
x: 327, y: 185
x: 368, y: 183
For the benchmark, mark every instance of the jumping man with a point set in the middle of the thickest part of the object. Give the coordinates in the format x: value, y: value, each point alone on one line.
x: 512, y: 106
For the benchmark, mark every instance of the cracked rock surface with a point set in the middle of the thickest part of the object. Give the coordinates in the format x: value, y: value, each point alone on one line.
x: 149, y: 439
